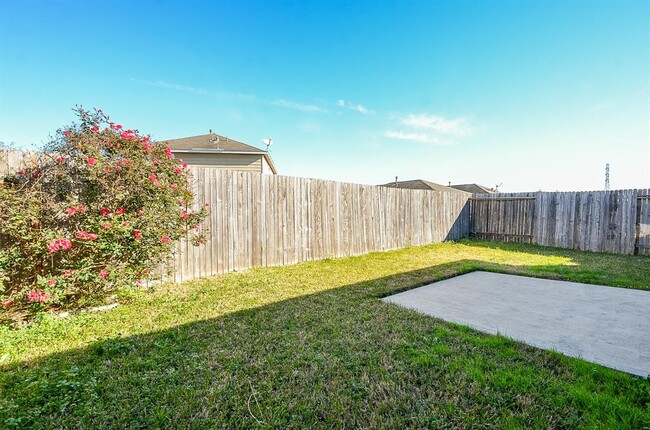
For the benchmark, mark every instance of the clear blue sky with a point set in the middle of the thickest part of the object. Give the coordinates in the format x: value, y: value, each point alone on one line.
x: 534, y: 95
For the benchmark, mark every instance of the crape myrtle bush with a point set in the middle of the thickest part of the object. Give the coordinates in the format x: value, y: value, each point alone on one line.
x: 98, y: 213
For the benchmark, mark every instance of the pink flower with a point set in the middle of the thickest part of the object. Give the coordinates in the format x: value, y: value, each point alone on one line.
x: 7, y: 303
x: 120, y: 211
x: 168, y: 153
x: 57, y: 244
x: 127, y: 134
x: 85, y: 235
x: 153, y: 178
x: 145, y: 271
x: 38, y: 296
x: 73, y: 210
x: 67, y: 273
x: 95, y: 128
x: 103, y: 274
x: 173, y: 186
x: 51, y: 282
x: 165, y: 239
x: 107, y: 170
x: 138, y: 212
x: 104, y: 211
x: 91, y: 161
x: 147, y: 146
x: 178, y: 170
x: 184, y: 165
x: 201, y: 240
x: 66, y: 133
x: 137, y: 235
x: 106, y: 225
x: 125, y: 161
x: 115, y: 126
x: 60, y: 158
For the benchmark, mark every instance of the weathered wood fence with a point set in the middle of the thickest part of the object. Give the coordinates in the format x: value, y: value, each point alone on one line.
x: 265, y: 220
x: 602, y: 221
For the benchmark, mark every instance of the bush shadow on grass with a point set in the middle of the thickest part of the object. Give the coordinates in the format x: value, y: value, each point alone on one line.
x: 337, y: 358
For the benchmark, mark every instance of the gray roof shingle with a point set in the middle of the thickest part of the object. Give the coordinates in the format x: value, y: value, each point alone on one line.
x: 474, y: 188
x: 210, y: 141
x: 420, y: 184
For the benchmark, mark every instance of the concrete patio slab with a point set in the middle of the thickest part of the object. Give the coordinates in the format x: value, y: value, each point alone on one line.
x: 604, y: 325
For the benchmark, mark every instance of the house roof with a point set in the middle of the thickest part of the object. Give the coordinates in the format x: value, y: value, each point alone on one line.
x: 215, y: 143
x: 210, y: 141
x: 474, y: 188
x: 419, y: 184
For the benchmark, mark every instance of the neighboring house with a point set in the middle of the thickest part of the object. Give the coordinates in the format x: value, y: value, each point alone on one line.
x: 474, y: 188
x: 213, y: 150
x: 419, y: 184
x: 12, y: 160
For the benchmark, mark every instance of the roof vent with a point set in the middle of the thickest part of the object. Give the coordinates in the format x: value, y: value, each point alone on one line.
x: 214, y: 139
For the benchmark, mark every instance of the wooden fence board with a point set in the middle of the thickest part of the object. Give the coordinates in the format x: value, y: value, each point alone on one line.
x: 642, y: 227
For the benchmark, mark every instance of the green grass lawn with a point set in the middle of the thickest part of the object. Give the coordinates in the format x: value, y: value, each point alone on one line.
x: 312, y: 346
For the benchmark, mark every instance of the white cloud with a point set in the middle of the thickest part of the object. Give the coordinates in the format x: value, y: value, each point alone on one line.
x: 428, y: 128
x: 358, y: 108
x: 298, y: 106
x: 195, y: 90
x: 171, y: 86
x: 413, y: 136
x: 436, y: 123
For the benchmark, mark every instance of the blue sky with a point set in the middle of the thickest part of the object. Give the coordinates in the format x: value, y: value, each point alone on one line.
x: 534, y: 95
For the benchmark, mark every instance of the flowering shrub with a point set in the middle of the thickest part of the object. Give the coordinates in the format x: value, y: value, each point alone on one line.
x: 98, y: 213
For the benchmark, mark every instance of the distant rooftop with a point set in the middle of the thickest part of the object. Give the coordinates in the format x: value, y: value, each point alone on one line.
x: 419, y: 184
x: 474, y: 188
x: 211, y: 142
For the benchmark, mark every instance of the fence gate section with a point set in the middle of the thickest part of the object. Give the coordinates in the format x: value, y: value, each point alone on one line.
x: 503, y: 217
x: 642, y: 239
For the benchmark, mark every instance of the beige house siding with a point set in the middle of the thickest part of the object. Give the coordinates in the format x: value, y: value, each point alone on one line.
x: 266, y: 169
x: 12, y: 160
x: 242, y: 162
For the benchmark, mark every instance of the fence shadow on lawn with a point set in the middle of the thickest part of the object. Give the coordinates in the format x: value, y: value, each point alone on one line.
x: 336, y: 358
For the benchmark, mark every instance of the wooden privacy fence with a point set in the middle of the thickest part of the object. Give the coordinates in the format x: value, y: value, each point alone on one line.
x: 602, y: 221
x: 265, y: 220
